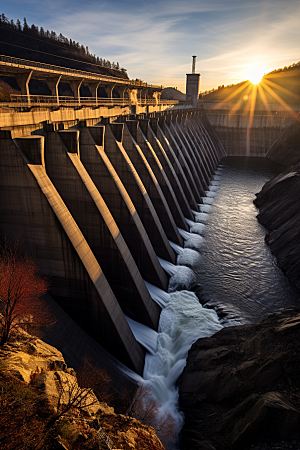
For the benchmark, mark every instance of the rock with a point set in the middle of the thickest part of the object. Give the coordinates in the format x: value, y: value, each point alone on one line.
x: 279, y: 212
x: 45, y: 386
x: 271, y: 417
x: 51, y: 384
x: 286, y: 149
x: 23, y: 359
x: 70, y: 391
x: 242, y: 384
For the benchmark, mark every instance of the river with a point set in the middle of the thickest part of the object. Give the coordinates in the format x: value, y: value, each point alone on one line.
x: 225, y: 275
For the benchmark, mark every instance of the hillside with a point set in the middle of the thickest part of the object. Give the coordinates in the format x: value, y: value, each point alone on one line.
x: 35, y: 44
x: 171, y: 93
x: 283, y: 83
x: 46, y: 405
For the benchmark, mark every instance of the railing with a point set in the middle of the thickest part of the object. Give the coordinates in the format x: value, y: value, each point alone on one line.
x: 25, y: 64
x: 256, y: 113
x: 24, y: 100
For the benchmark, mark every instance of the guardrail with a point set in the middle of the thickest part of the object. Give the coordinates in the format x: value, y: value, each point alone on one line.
x: 27, y: 64
x: 45, y: 100
x: 256, y: 113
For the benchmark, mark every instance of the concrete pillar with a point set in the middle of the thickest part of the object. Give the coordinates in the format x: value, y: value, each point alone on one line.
x: 93, y: 87
x: 156, y: 96
x: 75, y: 86
x: 34, y: 211
x: 115, y: 195
x: 198, y: 176
x: 192, y: 88
x: 133, y: 96
x: 122, y: 90
x: 170, y: 195
x: 109, y: 90
x: 92, y: 215
x: 135, y: 188
x: 191, y: 173
x: 176, y: 174
x: 23, y: 81
x: 53, y: 86
x: 201, y: 153
x: 143, y: 95
x: 133, y: 142
x: 154, y: 137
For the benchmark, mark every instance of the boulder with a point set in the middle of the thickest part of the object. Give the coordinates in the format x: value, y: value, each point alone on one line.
x: 24, y: 358
x: 271, y: 417
x: 241, y: 385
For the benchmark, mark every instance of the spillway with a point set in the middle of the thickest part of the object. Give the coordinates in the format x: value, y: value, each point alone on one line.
x: 105, y: 210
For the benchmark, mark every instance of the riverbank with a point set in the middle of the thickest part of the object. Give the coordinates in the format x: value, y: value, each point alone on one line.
x: 241, y: 386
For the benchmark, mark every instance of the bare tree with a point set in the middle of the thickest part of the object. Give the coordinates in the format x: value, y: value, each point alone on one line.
x: 21, y: 288
x: 146, y: 408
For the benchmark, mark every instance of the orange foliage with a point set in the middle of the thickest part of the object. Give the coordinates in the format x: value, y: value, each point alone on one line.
x: 21, y: 288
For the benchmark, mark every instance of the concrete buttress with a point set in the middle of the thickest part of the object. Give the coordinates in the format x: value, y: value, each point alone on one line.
x: 85, y: 203
x: 32, y: 209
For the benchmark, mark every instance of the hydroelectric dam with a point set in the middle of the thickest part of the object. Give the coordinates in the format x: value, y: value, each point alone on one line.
x: 105, y: 200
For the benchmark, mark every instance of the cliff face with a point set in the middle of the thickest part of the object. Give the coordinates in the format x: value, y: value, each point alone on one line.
x: 286, y: 149
x: 241, y: 386
x: 279, y: 212
x: 36, y: 386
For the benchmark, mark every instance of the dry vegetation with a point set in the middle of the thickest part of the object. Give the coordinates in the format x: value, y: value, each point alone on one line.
x: 58, y: 407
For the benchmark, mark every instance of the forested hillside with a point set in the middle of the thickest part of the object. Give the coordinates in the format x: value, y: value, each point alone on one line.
x: 36, y: 44
x: 283, y: 83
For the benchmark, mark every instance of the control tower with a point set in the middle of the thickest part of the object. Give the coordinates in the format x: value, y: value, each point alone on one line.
x: 192, y: 85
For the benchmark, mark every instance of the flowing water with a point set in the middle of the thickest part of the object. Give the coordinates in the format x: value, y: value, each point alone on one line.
x: 225, y: 264
x: 238, y: 274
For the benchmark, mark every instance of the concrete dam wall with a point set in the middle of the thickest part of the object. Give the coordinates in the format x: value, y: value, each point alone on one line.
x: 243, y: 135
x: 101, y: 206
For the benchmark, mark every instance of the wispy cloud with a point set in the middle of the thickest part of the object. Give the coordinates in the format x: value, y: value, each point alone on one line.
x: 155, y: 40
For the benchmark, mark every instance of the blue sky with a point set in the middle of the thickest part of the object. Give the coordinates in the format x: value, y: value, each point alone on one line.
x: 155, y: 40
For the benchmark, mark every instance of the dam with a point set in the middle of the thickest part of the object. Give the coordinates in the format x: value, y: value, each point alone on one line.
x: 100, y: 207
x: 105, y: 198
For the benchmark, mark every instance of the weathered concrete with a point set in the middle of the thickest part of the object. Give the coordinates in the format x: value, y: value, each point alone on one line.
x: 32, y: 209
x: 117, y: 154
x: 153, y: 135
x: 83, y: 200
x: 240, y: 138
x: 133, y: 144
x: 175, y: 162
x: 120, y: 205
x: 99, y: 207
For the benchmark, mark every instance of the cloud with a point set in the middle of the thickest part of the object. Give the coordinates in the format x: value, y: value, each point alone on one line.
x: 155, y: 40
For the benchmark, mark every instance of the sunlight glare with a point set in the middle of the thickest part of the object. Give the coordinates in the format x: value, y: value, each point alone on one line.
x: 255, y: 72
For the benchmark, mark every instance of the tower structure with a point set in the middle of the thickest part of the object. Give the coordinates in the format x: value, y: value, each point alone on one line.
x: 192, y: 85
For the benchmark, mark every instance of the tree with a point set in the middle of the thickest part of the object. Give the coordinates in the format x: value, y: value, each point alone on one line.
x: 146, y: 408
x: 78, y: 392
x: 21, y: 288
x: 25, y: 25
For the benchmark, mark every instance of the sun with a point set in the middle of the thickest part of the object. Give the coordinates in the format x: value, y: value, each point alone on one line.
x: 255, y: 72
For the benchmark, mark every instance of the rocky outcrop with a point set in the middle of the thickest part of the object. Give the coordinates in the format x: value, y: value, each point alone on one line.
x: 241, y: 386
x: 29, y: 365
x: 286, y: 149
x: 279, y: 212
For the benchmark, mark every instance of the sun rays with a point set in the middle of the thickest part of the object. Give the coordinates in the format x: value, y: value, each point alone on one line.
x: 260, y: 94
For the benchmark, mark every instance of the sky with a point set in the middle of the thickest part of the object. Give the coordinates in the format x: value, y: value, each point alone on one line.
x: 155, y: 40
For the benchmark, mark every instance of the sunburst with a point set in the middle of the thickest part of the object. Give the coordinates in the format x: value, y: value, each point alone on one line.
x: 255, y: 72
x: 258, y: 87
